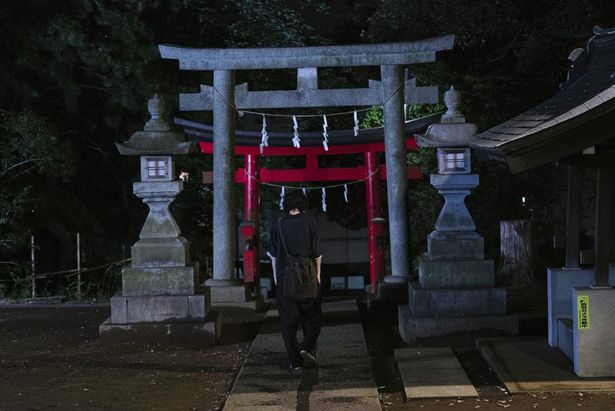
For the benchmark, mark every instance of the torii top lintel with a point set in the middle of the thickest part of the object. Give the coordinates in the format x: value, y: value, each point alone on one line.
x: 420, y: 51
x: 307, y: 60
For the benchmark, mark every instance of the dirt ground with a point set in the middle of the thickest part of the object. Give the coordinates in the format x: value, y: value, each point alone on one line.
x: 51, y: 358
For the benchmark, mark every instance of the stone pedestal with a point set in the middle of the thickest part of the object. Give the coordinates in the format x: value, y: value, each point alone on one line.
x: 235, y: 294
x: 161, y: 297
x: 455, y: 291
x: 388, y: 293
x: 445, y: 300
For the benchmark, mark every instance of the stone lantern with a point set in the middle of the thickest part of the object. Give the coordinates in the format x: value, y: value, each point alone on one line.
x: 455, y: 290
x: 161, y: 292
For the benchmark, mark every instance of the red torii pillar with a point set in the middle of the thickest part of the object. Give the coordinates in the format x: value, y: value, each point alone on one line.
x: 375, y: 222
x: 251, y: 219
x: 251, y: 175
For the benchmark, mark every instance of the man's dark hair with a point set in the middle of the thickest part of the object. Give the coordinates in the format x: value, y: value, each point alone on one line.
x: 295, y: 199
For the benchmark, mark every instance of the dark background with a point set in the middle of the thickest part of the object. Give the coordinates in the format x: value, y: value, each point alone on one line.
x: 76, y: 76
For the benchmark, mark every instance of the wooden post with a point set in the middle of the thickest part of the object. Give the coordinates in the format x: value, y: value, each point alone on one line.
x: 33, y: 262
x: 573, y: 217
x: 602, y: 235
x: 78, y: 267
x: 517, y: 251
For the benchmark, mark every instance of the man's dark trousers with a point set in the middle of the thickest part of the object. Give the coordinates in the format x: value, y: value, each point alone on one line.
x: 307, y: 312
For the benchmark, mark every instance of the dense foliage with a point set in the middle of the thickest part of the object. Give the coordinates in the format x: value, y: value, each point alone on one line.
x: 76, y: 76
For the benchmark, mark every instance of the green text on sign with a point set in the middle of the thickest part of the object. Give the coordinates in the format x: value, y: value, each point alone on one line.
x: 583, y: 311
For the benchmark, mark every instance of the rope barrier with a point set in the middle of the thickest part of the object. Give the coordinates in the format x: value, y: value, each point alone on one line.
x: 74, y: 271
x: 373, y: 173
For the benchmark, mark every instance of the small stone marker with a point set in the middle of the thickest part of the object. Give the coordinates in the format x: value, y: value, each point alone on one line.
x: 432, y: 373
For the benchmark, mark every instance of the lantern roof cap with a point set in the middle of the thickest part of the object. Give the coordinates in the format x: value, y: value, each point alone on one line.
x: 158, y: 136
x: 452, y: 130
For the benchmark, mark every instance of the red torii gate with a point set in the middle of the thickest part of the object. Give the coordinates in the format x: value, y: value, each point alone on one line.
x: 252, y: 174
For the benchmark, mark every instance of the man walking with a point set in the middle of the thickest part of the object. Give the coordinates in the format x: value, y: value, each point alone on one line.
x: 296, y: 234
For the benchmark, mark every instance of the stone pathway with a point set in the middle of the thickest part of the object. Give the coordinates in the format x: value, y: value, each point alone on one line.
x: 344, y: 380
x: 433, y: 373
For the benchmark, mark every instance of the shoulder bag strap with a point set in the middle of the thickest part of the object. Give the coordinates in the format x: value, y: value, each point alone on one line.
x: 282, y: 236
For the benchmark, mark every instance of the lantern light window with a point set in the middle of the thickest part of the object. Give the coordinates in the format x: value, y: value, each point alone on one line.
x: 156, y: 168
x: 455, y: 161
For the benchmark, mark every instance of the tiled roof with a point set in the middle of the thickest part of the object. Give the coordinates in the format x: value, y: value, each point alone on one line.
x: 546, y: 132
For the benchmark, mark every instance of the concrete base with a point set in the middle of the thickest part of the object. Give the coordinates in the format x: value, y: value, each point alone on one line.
x: 201, y: 333
x: 396, y: 279
x: 593, y: 310
x: 456, y: 301
x: 159, y: 281
x: 230, y: 293
x: 411, y: 326
x: 560, y: 282
x: 160, y: 252
x: 389, y: 293
x: 137, y: 309
x: 256, y: 304
x: 236, y: 296
x: 455, y: 245
x: 455, y: 274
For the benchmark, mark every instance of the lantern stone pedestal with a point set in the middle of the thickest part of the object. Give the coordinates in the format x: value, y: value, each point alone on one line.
x: 161, y: 297
x: 456, y: 289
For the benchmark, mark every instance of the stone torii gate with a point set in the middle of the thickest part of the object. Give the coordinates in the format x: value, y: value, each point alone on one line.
x: 392, y: 92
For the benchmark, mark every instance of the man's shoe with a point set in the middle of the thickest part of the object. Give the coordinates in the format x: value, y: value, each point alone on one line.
x: 308, y: 358
x: 295, y: 368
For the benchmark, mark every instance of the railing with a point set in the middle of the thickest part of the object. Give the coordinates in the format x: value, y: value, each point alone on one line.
x: 78, y: 271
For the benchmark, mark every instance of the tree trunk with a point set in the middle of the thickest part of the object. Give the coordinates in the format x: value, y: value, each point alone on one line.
x: 517, y: 252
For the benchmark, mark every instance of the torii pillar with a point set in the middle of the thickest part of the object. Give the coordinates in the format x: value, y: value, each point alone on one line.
x: 226, y: 290
x: 224, y: 173
x: 397, y: 183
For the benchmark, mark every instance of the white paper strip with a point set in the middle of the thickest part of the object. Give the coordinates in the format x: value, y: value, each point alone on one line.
x: 296, y: 140
x: 282, y: 199
x: 356, y: 124
x: 345, y: 193
x: 324, y: 200
x: 325, y: 136
x: 265, y: 136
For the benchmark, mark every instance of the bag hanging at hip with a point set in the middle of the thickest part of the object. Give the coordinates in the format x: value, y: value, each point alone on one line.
x: 299, y: 279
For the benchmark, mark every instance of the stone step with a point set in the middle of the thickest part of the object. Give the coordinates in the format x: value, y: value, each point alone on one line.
x: 157, y: 308
x: 412, y: 327
x: 456, y: 301
x: 432, y: 373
